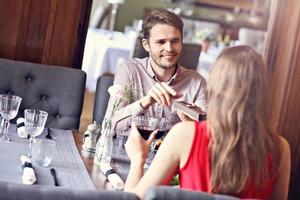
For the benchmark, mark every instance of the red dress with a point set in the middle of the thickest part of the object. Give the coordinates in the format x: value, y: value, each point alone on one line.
x: 195, y: 174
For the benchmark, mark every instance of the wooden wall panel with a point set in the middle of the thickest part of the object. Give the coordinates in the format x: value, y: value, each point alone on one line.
x: 32, y: 29
x: 283, y: 57
x: 9, y: 12
x: 48, y: 31
x: 63, y: 38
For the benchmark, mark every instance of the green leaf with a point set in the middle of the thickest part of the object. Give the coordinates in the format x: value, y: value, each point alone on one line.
x: 175, y: 180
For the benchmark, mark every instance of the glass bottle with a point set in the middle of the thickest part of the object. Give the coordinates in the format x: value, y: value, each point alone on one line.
x: 104, y: 144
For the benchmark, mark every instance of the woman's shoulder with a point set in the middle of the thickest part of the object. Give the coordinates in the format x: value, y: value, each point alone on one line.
x: 284, y: 146
x: 185, y: 129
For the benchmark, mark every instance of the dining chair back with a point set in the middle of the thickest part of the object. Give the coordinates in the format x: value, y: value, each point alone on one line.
x: 167, y: 192
x: 189, y: 58
x: 138, y: 50
x: 54, y: 89
x: 190, y: 54
x: 102, y: 97
x: 12, y: 191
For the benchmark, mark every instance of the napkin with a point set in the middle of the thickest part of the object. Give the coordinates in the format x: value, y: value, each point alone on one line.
x: 28, y: 176
x: 22, y: 133
x: 112, y: 176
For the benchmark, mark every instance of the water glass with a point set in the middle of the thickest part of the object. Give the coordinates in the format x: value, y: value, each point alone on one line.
x: 43, y: 151
x: 35, y: 121
x: 119, y: 142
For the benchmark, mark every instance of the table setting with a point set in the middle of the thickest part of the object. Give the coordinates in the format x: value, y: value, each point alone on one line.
x: 32, y: 154
x: 112, y: 157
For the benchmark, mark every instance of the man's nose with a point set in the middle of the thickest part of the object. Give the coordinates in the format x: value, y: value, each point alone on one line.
x: 168, y: 46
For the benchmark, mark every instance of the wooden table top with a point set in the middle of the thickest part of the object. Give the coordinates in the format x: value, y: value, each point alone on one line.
x: 94, y: 171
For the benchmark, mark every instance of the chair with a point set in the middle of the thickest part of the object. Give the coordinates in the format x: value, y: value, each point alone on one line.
x: 102, y: 97
x: 12, y: 191
x: 57, y: 90
x: 167, y: 192
x: 189, y: 55
x: 139, y: 51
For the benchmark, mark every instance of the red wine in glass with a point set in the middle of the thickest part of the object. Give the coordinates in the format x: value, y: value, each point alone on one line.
x: 146, y: 133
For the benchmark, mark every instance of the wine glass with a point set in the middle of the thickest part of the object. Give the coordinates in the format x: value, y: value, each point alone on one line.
x: 9, y: 107
x: 35, y: 121
x: 146, y: 125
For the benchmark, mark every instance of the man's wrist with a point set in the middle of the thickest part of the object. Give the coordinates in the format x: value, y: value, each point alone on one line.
x: 144, y: 103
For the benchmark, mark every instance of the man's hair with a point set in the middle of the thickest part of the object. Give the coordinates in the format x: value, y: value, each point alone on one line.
x: 237, y: 118
x: 161, y: 16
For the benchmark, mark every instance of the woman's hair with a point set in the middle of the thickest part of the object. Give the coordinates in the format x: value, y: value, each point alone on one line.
x: 241, y: 143
x: 161, y: 16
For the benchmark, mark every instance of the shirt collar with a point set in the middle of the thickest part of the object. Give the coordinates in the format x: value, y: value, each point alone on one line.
x: 152, y: 73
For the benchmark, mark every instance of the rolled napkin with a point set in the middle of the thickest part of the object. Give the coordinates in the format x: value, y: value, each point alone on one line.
x: 112, y: 176
x: 22, y: 133
x: 28, y: 176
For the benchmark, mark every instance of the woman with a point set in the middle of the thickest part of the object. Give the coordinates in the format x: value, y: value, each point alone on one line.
x: 233, y: 152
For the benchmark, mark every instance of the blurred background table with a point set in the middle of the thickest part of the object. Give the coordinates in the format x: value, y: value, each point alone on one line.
x: 104, y: 51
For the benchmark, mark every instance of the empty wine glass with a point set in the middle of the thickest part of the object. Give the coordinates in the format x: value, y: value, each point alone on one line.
x: 9, y: 107
x: 35, y: 121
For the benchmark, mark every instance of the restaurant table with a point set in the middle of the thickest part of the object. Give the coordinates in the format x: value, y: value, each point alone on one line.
x: 103, y: 52
x: 69, y: 167
x: 75, y: 169
x: 98, y: 178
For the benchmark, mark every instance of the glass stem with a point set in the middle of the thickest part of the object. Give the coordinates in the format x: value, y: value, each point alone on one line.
x: 30, y: 147
x: 2, y: 126
x: 5, y: 130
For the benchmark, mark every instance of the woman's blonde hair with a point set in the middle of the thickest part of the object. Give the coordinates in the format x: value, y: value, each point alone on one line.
x: 241, y: 143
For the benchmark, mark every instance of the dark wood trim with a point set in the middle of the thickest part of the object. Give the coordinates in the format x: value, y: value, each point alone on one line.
x: 82, y: 33
x: 283, y: 57
x: 49, y: 31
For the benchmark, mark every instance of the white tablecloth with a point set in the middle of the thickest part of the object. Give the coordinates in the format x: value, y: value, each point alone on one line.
x: 104, y: 53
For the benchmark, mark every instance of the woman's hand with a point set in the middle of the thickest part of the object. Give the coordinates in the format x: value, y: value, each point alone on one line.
x: 136, y: 147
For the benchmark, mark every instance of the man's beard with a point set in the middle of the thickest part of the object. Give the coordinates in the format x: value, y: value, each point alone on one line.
x: 163, y: 66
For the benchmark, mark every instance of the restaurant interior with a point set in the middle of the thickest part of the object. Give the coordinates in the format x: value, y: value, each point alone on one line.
x: 60, y: 56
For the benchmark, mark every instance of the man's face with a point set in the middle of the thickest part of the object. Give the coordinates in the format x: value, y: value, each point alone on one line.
x: 164, y: 46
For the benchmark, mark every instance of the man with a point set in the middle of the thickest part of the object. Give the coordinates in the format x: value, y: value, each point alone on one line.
x: 157, y: 80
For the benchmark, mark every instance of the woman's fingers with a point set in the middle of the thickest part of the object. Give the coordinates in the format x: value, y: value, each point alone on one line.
x: 151, y: 137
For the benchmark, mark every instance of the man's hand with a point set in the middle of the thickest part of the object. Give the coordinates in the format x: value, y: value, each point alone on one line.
x: 160, y: 93
x: 136, y: 147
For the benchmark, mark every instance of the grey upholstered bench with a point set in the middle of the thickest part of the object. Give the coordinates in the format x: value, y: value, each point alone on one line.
x: 12, y: 191
x: 57, y: 90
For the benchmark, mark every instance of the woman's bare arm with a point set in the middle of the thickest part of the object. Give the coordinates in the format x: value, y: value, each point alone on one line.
x: 165, y: 163
x: 281, y: 187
